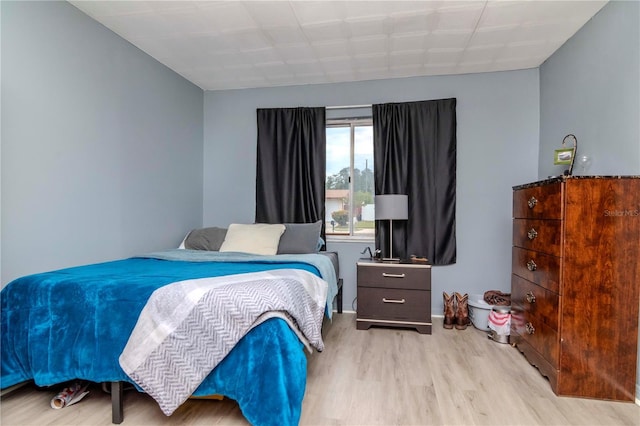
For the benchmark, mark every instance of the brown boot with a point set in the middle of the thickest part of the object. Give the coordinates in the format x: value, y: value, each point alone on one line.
x: 449, y: 311
x: 462, y: 311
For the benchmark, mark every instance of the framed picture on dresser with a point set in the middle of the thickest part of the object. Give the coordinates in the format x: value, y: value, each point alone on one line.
x: 563, y: 156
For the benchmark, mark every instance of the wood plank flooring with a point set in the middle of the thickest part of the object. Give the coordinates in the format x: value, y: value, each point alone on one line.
x: 380, y: 376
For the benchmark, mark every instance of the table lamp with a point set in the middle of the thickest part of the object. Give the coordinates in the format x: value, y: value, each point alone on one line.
x: 392, y: 207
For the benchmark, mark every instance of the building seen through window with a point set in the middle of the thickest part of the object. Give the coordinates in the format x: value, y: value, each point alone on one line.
x: 349, y: 179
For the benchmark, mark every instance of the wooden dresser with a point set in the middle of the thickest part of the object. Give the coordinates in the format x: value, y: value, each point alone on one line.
x: 394, y: 295
x: 575, y: 283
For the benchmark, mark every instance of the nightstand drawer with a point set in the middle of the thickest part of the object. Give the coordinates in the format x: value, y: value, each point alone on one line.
x: 392, y: 276
x: 394, y: 304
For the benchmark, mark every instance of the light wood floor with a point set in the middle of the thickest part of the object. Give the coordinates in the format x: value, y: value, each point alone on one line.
x: 374, y: 377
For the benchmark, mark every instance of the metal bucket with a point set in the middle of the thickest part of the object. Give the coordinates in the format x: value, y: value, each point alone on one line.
x: 500, y: 338
x: 493, y: 335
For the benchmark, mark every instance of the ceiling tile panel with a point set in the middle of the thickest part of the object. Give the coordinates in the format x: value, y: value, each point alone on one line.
x: 459, y: 19
x: 138, y: 26
x: 331, y: 49
x: 286, y: 35
x: 335, y: 30
x: 375, y: 26
x: 296, y: 52
x: 111, y: 8
x: 447, y: 39
x: 365, y: 10
x: 188, y: 21
x: 414, y: 58
x: 484, y: 54
x: 490, y: 36
x: 444, y: 56
x: 246, y: 40
x: 236, y: 44
x: 405, y: 70
x: 168, y: 6
x: 377, y: 62
x: 278, y: 68
x: 318, y: 12
x: 306, y: 67
x: 228, y: 16
x: 211, y: 43
x: 413, y: 41
x: 370, y: 45
x: 337, y: 65
x: 412, y: 23
x: 269, y: 14
x: 261, y: 56
x: 230, y: 59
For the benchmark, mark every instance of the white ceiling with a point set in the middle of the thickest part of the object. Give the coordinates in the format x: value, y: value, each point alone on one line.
x: 240, y: 44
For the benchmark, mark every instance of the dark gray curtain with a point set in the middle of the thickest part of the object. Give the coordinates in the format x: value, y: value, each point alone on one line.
x: 291, y: 165
x: 415, y: 154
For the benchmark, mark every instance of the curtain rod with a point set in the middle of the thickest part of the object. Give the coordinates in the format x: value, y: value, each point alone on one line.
x: 348, y: 106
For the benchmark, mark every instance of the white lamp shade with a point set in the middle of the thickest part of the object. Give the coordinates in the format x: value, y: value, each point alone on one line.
x: 392, y: 207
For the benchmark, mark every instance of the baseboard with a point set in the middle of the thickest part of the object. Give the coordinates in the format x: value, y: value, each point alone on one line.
x: 344, y: 311
x: 14, y: 387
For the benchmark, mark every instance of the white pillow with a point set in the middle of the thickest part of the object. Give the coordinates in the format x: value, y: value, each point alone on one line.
x: 258, y: 238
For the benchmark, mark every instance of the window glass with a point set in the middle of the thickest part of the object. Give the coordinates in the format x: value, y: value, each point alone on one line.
x: 349, y: 182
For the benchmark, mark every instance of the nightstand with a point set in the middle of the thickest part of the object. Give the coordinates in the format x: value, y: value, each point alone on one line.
x: 394, y: 295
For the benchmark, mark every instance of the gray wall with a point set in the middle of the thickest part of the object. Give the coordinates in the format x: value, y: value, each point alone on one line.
x: 101, y: 144
x: 497, y: 148
x: 591, y: 87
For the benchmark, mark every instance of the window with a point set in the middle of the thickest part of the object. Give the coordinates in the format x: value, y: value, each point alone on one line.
x: 349, y: 179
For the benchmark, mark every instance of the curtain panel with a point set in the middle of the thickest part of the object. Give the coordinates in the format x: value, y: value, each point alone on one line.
x: 415, y: 154
x: 291, y: 165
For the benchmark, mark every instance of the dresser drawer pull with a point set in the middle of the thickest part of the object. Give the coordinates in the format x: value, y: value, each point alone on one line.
x: 385, y: 300
x: 530, y: 328
x: 530, y: 297
x: 532, y: 234
x: 384, y: 274
x: 531, y: 265
x: 532, y: 202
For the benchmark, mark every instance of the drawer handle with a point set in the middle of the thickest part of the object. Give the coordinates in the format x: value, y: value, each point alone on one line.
x: 530, y: 328
x: 384, y: 274
x: 531, y: 265
x: 530, y: 297
x: 532, y: 234
x: 385, y: 300
x: 532, y: 202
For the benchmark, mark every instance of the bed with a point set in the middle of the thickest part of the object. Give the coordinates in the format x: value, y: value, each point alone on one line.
x: 79, y: 323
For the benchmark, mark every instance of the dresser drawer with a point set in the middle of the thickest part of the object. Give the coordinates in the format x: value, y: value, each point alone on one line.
x: 395, y: 277
x: 394, y: 304
x: 536, y: 301
x: 533, y: 330
x: 538, y: 202
x: 539, y: 235
x: 540, y: 268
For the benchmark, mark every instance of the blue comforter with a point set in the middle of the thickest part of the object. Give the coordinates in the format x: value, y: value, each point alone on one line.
x: 74, y: 323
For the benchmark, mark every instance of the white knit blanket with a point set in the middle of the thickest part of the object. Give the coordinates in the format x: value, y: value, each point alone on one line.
x: 187, y: 328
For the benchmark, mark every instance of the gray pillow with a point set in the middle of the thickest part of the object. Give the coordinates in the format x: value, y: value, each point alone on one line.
x: 300, y: 238
x: 209, y: 239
